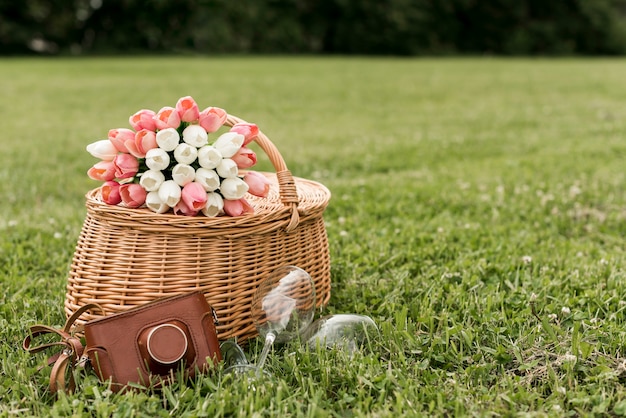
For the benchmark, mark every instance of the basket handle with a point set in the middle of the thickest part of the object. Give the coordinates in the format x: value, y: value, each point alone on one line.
x: 286, y: 183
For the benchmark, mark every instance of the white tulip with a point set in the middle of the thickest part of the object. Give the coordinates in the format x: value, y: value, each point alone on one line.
x: 229, y: 143
x: 168, y: 139
x: 169, y: 193
x: 157, y: 159
x: 151, y: 180
x: 207, y: 178
x: 183, y: 174
x: 214, y: 204
x: 195, y: 135
x: 227, y: 168
x: 209, y: 157
x: 233, y: 188
x: 103, y: 149
x: 155, y: 204
x: 185, y: 153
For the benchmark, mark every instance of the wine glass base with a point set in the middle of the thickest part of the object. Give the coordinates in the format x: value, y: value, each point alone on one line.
x: 246, y: 369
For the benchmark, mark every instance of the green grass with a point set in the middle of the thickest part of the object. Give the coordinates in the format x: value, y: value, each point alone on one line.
x: 478, y: 216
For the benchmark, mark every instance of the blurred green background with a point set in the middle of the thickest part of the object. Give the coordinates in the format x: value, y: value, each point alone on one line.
x: 382, y: 27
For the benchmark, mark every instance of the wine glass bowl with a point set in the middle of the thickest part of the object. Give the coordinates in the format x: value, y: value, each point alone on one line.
x: 347, y: 332
x: 283, y: 306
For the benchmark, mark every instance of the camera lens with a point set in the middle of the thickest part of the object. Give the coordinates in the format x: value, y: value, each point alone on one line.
x: 167, y: 344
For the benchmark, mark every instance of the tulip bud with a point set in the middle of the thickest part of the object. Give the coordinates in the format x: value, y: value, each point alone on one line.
x: 209, y: 157
x: 102, y: 171
x: 143, y: 119
x: 245, y: 158
x: 145, y: 140
x: 119, y: 136
x: 258, y: 184
x: 103, y: 149
x: 126, y: 166
x: 181, y: 208
x: 110, y: 192
x: 227, y: 168
x: 194, y: 196
x: 133, y: 195
x: 229, y: 143
x: 167, y: 117
x: 157, y: 159
x: 151, y: 180
x: 195, y: 135
x: 208, y: 179
x: 233, y: 188
x: 212, y: 118
x: 187, y: 109
x: 169, y: 193
x: 168, y: 139
x: 185, y: 153
x: 214, y: 204
x: 183, y: 174
x: 155, y: 204
x: 237, y: 207
x: 248, y: 130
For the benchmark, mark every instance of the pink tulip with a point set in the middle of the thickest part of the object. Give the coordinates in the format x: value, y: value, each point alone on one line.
x: 187, y: 109
x: 133, y: 195
x: 126, y: 166
x: 237, y: 207
x: 194, y: 196
x: 143, y: 119
x: 102, y: 171
x: 181, y: 208
x: 167, y: 117
x: 212, y: 118
x: 258, y: 184
x: 245, y: 158
x: 143, y: 142
x: 119, y: 136
x: 111, y: 193
x: 248, y: 130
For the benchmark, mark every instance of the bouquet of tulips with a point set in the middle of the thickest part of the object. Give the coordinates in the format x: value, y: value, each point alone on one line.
x: 169, y: 162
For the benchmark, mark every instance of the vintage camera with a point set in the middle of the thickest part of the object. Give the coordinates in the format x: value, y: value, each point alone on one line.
x: 152, y: 344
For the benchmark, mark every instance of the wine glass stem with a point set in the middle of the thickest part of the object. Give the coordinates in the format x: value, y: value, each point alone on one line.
x: 269, y: 341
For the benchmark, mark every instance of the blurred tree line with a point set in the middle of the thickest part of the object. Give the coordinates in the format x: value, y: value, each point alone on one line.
x: 389, y: 27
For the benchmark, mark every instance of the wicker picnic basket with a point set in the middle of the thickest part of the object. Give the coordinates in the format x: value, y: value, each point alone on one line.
x: 128, y: 257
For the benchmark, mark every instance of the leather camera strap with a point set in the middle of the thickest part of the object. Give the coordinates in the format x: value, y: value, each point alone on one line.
x: 71, y: 349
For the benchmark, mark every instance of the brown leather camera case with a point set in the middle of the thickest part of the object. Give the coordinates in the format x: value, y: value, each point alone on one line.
x: 151, y: 344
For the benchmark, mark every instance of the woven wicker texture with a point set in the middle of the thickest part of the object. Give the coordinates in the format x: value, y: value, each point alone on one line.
x: 127, y: 257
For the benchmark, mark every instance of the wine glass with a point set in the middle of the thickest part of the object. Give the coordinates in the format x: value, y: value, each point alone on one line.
x: 283, y: 307
x: 347, y: 332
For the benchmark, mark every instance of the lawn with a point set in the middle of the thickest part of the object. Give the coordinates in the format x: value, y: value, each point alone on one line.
x: 478, y: 216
